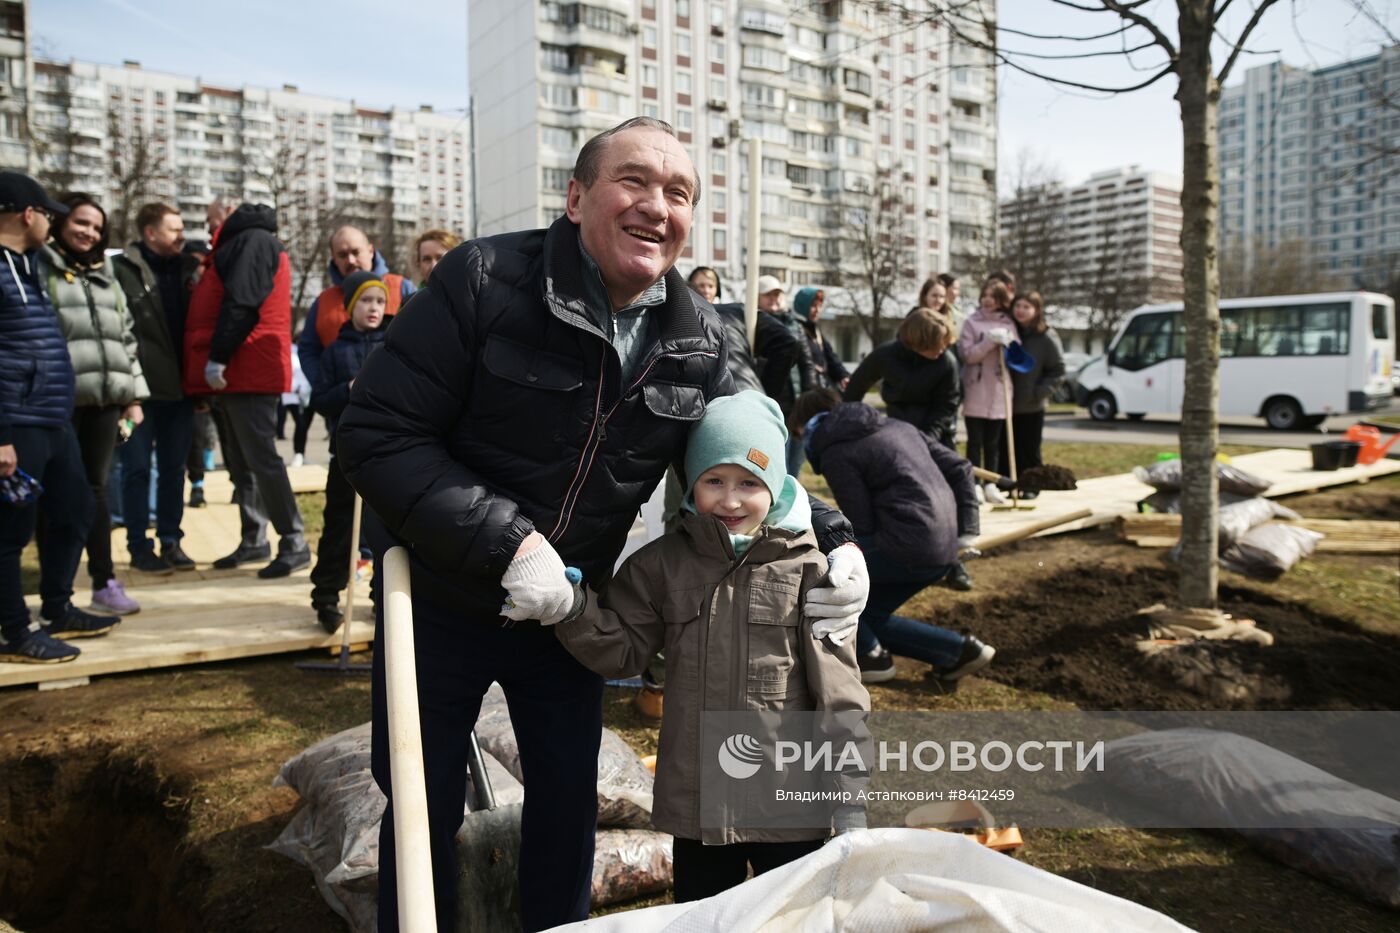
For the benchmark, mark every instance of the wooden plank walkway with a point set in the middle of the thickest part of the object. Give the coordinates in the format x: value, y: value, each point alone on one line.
x: 1290, y: 471
x: 207, y: 615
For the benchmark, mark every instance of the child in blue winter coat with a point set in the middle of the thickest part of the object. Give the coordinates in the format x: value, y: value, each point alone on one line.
x: 366, y: 298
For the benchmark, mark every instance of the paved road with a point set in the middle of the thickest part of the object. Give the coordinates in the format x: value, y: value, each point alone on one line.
x: 1158, y: 430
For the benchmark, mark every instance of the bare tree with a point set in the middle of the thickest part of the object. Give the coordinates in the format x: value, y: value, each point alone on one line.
x: 1032, y: 240
x: 1125, y: 29
x: 878, y: 249
x: 1115, y: 282
x: 137, y: 169
x: 1285, y: 269
x: 55, y: 143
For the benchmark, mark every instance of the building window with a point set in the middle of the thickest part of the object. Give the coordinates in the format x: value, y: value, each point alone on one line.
x: 719, y: 163
x: 649, y: 75
x: 717, y: 50
x: 682, y: 43
x: 683, y: 119
x: 556, y: 179
x: 717, y: 90
x: 682, y: 82
x: 720, y: 240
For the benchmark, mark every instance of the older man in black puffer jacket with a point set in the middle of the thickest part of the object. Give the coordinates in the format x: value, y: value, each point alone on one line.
x: 526, y: 404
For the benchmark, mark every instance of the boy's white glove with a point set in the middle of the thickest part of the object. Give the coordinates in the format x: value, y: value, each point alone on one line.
x: 1000, y: 335
x: 214, y: 375
x: 837, y: 608
x: 536, y: 586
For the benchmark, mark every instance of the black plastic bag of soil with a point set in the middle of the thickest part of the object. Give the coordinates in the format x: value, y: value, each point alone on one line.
x: 1266, y: 552
x: 1046, y: 477
x: 1219, y: 779
x: 1165, y: 476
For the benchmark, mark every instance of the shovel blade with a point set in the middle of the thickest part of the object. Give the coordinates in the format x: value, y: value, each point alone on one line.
x: 488, y: 862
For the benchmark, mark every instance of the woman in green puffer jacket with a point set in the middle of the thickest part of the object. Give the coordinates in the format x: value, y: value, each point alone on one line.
x: 102, y: 342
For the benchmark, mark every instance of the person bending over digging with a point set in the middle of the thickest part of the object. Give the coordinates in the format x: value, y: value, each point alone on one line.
x: 914, y: 506
x: 744, y: 552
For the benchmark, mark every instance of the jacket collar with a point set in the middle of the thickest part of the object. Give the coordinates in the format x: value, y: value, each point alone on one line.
x: 711, y: 540
x: 59, y: 261
x: 678, y: 321
x: 379, y: 267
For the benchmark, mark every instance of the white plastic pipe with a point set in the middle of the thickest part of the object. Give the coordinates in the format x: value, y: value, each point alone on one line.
x: 413, y: 858
x: 755, y: 242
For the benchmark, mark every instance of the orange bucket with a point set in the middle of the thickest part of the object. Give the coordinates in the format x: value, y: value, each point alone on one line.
x: 1370, y: 440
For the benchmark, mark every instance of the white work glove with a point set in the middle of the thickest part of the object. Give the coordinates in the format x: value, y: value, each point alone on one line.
x: 214, y: 375
x: 536, y: 587
x: 837, y: 608
x: 1000, y: 335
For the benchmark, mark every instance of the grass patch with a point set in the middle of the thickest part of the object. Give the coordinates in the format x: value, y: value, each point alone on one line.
x: 1089, y: 460
x: 1385, y: 419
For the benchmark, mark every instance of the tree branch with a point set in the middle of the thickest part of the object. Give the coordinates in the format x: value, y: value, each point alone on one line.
x: 1127, y: 12
x: 1244, y: 35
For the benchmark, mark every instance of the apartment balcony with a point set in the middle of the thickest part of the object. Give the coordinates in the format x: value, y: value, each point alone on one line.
x: 968, y: 93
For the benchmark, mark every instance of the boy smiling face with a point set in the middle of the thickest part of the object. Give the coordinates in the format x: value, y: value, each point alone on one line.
x: 735, y: 496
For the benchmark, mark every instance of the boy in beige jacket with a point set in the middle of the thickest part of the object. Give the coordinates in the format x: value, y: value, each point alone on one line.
x: 721, y: 598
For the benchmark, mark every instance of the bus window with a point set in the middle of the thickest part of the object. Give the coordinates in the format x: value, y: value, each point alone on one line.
x: 1326, y: 330
x: 1146, y: 342
x: 1380, y: 322
x: 1278, y: 331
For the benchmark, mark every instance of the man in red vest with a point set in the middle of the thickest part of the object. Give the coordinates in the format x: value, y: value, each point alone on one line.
x: 238, y: 348
x: 351, y: 251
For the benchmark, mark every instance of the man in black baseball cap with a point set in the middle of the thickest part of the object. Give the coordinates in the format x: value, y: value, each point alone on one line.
x: 37, y: 440
x: 18, y: 191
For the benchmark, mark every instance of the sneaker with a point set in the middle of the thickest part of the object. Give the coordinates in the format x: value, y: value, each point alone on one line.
x: 649, y: 703
x: 298, y: 460
x: 175, y: 556
x: 958, y: 578
x: 75, y: 623
x: 285, y: 564
x: 330, y: 618
x: 148, y: 561
x: 993, y: 495
x: 981, y: 497
x: 112, y: 598
x: 876, y: 667
x: 37, y: 646
x: 244, y: 555
x: 197, y: 500
x: 974, y: 657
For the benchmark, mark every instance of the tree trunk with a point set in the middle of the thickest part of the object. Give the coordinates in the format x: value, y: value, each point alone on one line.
x: 1199, y: 97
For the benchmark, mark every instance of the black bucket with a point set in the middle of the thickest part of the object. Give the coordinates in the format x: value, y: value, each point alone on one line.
x: 1334, y: 455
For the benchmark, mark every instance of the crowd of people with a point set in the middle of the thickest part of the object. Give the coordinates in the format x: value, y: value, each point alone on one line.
x: 509, y: 426
x: 119, y: 369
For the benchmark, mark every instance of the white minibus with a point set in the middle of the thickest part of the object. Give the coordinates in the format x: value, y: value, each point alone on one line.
x: 1289, y: 359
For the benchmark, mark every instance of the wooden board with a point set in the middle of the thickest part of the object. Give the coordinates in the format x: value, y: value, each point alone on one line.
x: 1339, y: 535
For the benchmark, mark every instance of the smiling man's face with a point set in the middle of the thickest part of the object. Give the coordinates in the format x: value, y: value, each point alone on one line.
x: 635, y: 217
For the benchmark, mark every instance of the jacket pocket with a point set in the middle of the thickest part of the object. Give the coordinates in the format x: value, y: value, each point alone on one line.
x: 527, y: 366
x: 674, y: 400
x: 774, y: 627
x: 680, y: 612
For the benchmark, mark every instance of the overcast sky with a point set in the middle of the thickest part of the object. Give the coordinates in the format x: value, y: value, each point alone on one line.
x: 418, y: 56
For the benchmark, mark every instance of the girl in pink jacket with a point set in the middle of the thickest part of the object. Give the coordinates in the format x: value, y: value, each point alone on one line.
x: 984, y: 334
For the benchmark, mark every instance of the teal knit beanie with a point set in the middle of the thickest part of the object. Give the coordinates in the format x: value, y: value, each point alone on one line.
x: 802, y: 301
x: 746, y: 429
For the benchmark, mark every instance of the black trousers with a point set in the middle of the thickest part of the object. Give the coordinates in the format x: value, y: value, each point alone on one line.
x: 205, y: 436
x: 96, y: 428
x: 703, y: 871
x: 556, y: 709
x: 51, y: 456
x: 1028, y: 429
x: 983, y: 436
x: 332, y: 571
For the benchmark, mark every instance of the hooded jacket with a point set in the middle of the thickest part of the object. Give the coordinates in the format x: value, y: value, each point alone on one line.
x: 826, y: 369
x: 158, y: 346
x: 310, y: 346
x: 341, y: 363
x: 36, y: 372
x: 101, y: 335
x: 241, y: 310
x: 734, y: 638
x: 983, y: 368
x: 908, y: 493
x: 923, y: 392
x: 497, y: 408
x: 1031, y: 391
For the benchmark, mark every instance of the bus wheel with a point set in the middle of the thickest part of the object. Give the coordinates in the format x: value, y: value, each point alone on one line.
x: 1102, y: 407
x: 1283, y: 413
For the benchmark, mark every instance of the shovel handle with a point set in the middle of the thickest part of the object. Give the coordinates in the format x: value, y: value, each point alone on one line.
x: 412, y: 857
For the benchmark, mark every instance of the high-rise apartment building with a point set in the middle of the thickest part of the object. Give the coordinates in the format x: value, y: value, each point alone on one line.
x: 1308, y: 157
x: 16, y: 74
x: 113, y: 130
x: 849, y: 104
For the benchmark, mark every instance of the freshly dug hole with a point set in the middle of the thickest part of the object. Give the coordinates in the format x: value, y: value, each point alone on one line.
x: 91, y: 841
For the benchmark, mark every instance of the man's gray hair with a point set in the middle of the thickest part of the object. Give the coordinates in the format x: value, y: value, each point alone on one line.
x: 590, y: 157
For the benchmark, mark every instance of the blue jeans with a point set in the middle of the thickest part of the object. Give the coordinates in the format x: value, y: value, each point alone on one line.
x: 892, y: 584
x: 169, y: 428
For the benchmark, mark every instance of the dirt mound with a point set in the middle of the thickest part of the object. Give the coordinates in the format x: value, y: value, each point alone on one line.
x: 1072, y: 636
x: 1048, y: 477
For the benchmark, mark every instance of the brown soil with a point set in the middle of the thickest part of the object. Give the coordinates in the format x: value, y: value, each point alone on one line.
x: 1071, y: 635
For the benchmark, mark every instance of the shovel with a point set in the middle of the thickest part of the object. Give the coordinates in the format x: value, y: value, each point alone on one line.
x: 1018, y: 359
x: 343, y: 666
x: 488, y: 854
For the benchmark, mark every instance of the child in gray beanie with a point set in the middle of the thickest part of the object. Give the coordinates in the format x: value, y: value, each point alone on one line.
x: 721, y: 598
